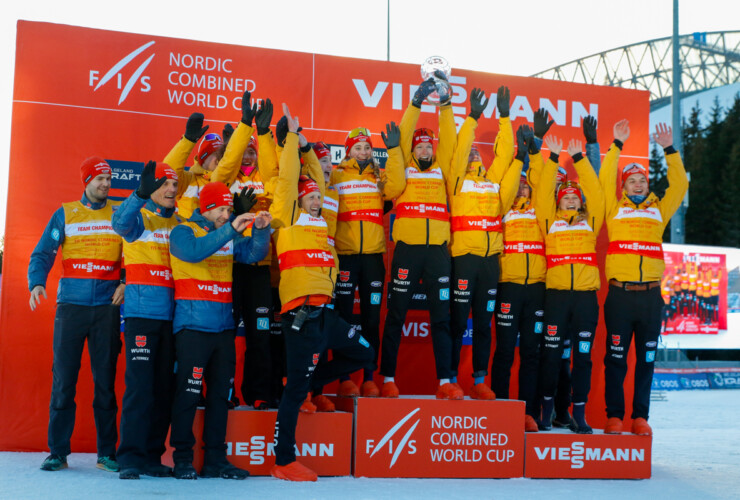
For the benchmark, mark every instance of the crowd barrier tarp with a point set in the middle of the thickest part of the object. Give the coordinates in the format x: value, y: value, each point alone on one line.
x: 679, y: 379
x: 80, y: 92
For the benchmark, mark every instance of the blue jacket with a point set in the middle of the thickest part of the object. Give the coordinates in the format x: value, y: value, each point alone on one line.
x: 202, y: 315
x: 79, y: 291
x: 143, y: 301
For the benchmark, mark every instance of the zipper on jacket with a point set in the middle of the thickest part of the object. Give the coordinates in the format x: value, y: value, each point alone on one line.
x: 488, y: 242
x: 427, y: 232
x: 362, y: 235
x: 571, y: 276
x: 526, y: 277
x: 640, y: 267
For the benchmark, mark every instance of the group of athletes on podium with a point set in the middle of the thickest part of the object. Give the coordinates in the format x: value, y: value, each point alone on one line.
x: 265, y: 224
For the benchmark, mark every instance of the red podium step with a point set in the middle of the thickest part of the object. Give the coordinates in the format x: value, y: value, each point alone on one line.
x: 563, y: 454
x: 324, y: 441
x: 420, y: 436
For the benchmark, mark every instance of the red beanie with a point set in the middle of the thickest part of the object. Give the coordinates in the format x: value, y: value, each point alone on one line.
x: 213, y: 195
x: 322, y: 150
x: 164, y: 170
x: 93, y: 167
x: 359, y: 134
x: 306, y: 185
x: 208, y: 145
x: 633, y: 169
x: 422, y: 135
x: 569, y: 187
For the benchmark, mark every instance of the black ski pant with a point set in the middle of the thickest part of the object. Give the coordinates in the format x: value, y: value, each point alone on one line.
x: 252, y: 299
x: 519, y: 311
x: 101, y: 326
x: 474, y: 283
x: 210, y: 358
x: 431, y: 265
x: 366, y: 271
x: 147, y: 401
x: 627, y: 313
x: 322, y: 329
x: 575, y: 314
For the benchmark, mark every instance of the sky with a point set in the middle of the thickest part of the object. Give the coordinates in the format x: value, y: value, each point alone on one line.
x: 482, y: 35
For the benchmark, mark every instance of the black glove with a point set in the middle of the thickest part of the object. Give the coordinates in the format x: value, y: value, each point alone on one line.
x: 244, y: 201
x: 147, y: 183
x: 426, y: 88
x: 228, y: 130
x: 393, y: 139
x: 264, y: 117
x: 248, y: 111
x: 281, y: 131
x: 531, y: 142
x: 541, y: 125
x: 503, y: 99
x: 589, y: 129
x: 478, y: 102
x: 194, y: 128
x: 521, y: 141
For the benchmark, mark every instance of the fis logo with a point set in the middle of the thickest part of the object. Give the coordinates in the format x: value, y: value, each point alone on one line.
x: 406, y: 443
x: 140, y: 340
x: 115, y: 74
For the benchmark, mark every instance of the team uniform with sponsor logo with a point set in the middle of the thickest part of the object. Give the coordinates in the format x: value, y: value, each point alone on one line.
x: 202, y: 260
x: 308, y: 270
x: 571, y: 306
x: 252, y: 291
x: 521, y: 297
x: 634, y: 268
x: 150, y: 351
x: 194, y: 179
x: 477, y: 198
x: 91, y: 264
x: 422, y: 231
x: 360, y: 239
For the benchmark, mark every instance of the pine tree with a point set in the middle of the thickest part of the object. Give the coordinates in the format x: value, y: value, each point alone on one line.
x: 728, y: 187
x: 698, y: 230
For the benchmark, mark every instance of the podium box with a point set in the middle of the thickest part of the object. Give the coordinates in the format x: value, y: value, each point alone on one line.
x: 562, y: 454
x: 323, y: 441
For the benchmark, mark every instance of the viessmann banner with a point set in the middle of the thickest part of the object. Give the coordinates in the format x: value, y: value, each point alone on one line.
x: 81, y: 92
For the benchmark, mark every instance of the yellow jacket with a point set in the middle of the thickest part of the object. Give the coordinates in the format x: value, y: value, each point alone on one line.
x: 477, y: 196
x: 636, y: 231
x: 422, y: 217
x: 307, y: 262
x: 570, y: 241
x: 360, y: 213
x: 191, y: 181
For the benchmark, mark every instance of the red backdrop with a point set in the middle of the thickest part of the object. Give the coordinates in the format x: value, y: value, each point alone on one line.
x: 80, y: 92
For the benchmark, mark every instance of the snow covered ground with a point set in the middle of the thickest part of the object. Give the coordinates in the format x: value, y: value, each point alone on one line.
x: 696, y: 455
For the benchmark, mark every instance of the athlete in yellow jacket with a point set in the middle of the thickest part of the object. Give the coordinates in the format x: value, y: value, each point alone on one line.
x: 571, y: 307
x: 634, y: 267
x: 362, y: 189
x: 421, y: 231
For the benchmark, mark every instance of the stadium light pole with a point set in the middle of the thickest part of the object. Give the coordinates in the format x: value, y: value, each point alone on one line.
x: 678, y: 222
x: 388, y: 30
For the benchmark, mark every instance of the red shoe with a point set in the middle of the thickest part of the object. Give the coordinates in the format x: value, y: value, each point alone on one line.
x: 294, y: 471
x: 389, y: 390
x: 449, y: 391
x: 482, y: 391
x: 323, y: 403
x: 641, y: 427
x: 308, y: 406
x: 530, y: 424
x: 348, y: 389
x: 613, y: 426
x: 369, y: 389
x: 457, y: 385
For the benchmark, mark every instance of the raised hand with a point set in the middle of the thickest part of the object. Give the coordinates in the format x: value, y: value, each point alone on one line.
x: 554, y: 144
x: 393, y: 137
x: 589, y: 129
x: 575, y: 146
x: 541, y: 123
x: 521, y: 141
x: 622, y: 131
x: 503, y: 100
x: 227, y: 131
x: 426, y: 88
x: 263, y: 118
x: 244, y: 201
x: 148, y: 183
x: 262, y: 220
x: 241, y: 222
x: 194, y: 128
x: 478, y: 102
x: 248, y: 111
x: 663, y: 135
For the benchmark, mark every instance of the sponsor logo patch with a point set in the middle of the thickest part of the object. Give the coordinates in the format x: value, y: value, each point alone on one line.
x: 505, y: 307
x: 492, y: 291
x: 376, y: 284
x: 584, y: 347
x: 552, y: 330
x: 539, y: 313
x: 538, y: 326
x: 616, y: 339
x: 263, y: 323
x: 315, y: 358
x: 55, y: 234
x: 491, y: 306
x: 375, y: 298
x: 650, y: 345
x: 584, y: 335
x: 444, y: 294
x: 650, y: 356
x: 262, y: 310
x: 462, y: 284
x: 140, y: 340
x: 197, y: 373
x: 344, y: 276
x: 351, y: 332
x: 444, y: 279
x: 566, y: 353
x: 363, y: 341
x: 403, y: 273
